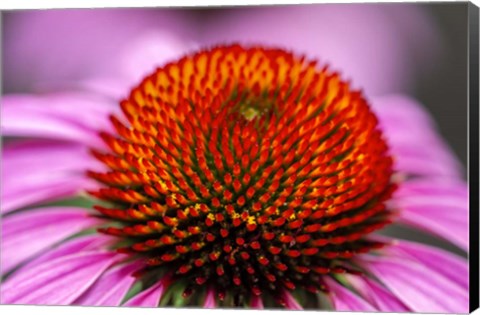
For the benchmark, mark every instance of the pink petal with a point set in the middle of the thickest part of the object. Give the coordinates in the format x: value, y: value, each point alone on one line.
x: 424, y: 187
x: 33, y: 156
x: 441, y: 210
x: 401, y: 110
x: 449, y: 265
x: 116, y: 88
x: 256, y: 302
x: 290, y: 302
x: 449, y: 230
x: 418, y: 286
x: 111, y: 287
x: 150, y: 297
x: 57, y: 282
x: 413, y: 138
x: 53, y: 189
x: 210, y: 299
x: 91, y: 242
x: 30, y: 232
x: 345, y: 300
x: 150, y: 50
x: 421, y: 162
x: 37, y: 171
x: 376, y: 295
x: 68, y: 116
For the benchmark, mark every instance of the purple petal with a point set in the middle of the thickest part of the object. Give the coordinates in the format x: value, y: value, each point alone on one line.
x: 91, y: 242
x: 151, y: 50
x: 421, y: 162
x: 418, y: 286
x: 376, y: 295
x: 116, y: 88
x: 150, y: 297
x: 455, y: 232
x: 441, y: 209
x: 345, y: 300
x: 424, y: 187
x: 451, y: 266
x: 210, y: 299
x: 28, y: 233
x: 111, y: 287
x: 401, y: 110
x: 256, y: 302
x: 414, y: 142
x: 67, y: 116
x: 95, y: 242
x: 39, y: 171
x: 381, y: 63
x: 290, y: 302
x: 57, y: 282
x: 33, y: 156
x: 54, y: 189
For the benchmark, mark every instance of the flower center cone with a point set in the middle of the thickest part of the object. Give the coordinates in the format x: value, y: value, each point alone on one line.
x: 249, y: 170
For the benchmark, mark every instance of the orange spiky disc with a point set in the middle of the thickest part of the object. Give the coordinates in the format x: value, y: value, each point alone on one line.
x: 247, y: 168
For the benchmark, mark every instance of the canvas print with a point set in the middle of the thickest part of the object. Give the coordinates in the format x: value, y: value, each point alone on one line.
x: 299, y: 157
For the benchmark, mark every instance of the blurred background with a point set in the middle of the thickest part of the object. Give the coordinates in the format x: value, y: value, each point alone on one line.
x: 444, y: 90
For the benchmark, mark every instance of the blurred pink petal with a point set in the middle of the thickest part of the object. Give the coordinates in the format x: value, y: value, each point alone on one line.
x: 111, y: 287
x: 210, y: 299
x: 444, y: 214
x: 290, y: 302
x: 150, y: 297
x: 376, y: 295
x: 414, y: 162
x: 63, y: 116
x: 423, y: 187
x: 37, y: 171
x: 147, y: 52
x: 151, y: 50
x: 22, y: 158
x: 30, y: 232
x: 410, y: 133
x: 345, y: 300
x: 451, y: 228
x: 451, y: 266
x: 57, y: 187
x: 256, y: 302
x: 117, y: 88
x: 91, y: 242
x: 418, y: 286
x: 368, y: 43
x: 57, y: 282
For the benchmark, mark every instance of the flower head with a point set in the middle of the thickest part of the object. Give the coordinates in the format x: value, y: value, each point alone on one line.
x: 248, y: 169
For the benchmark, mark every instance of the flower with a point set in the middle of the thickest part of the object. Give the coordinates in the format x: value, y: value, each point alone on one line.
x: 236, y: 175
